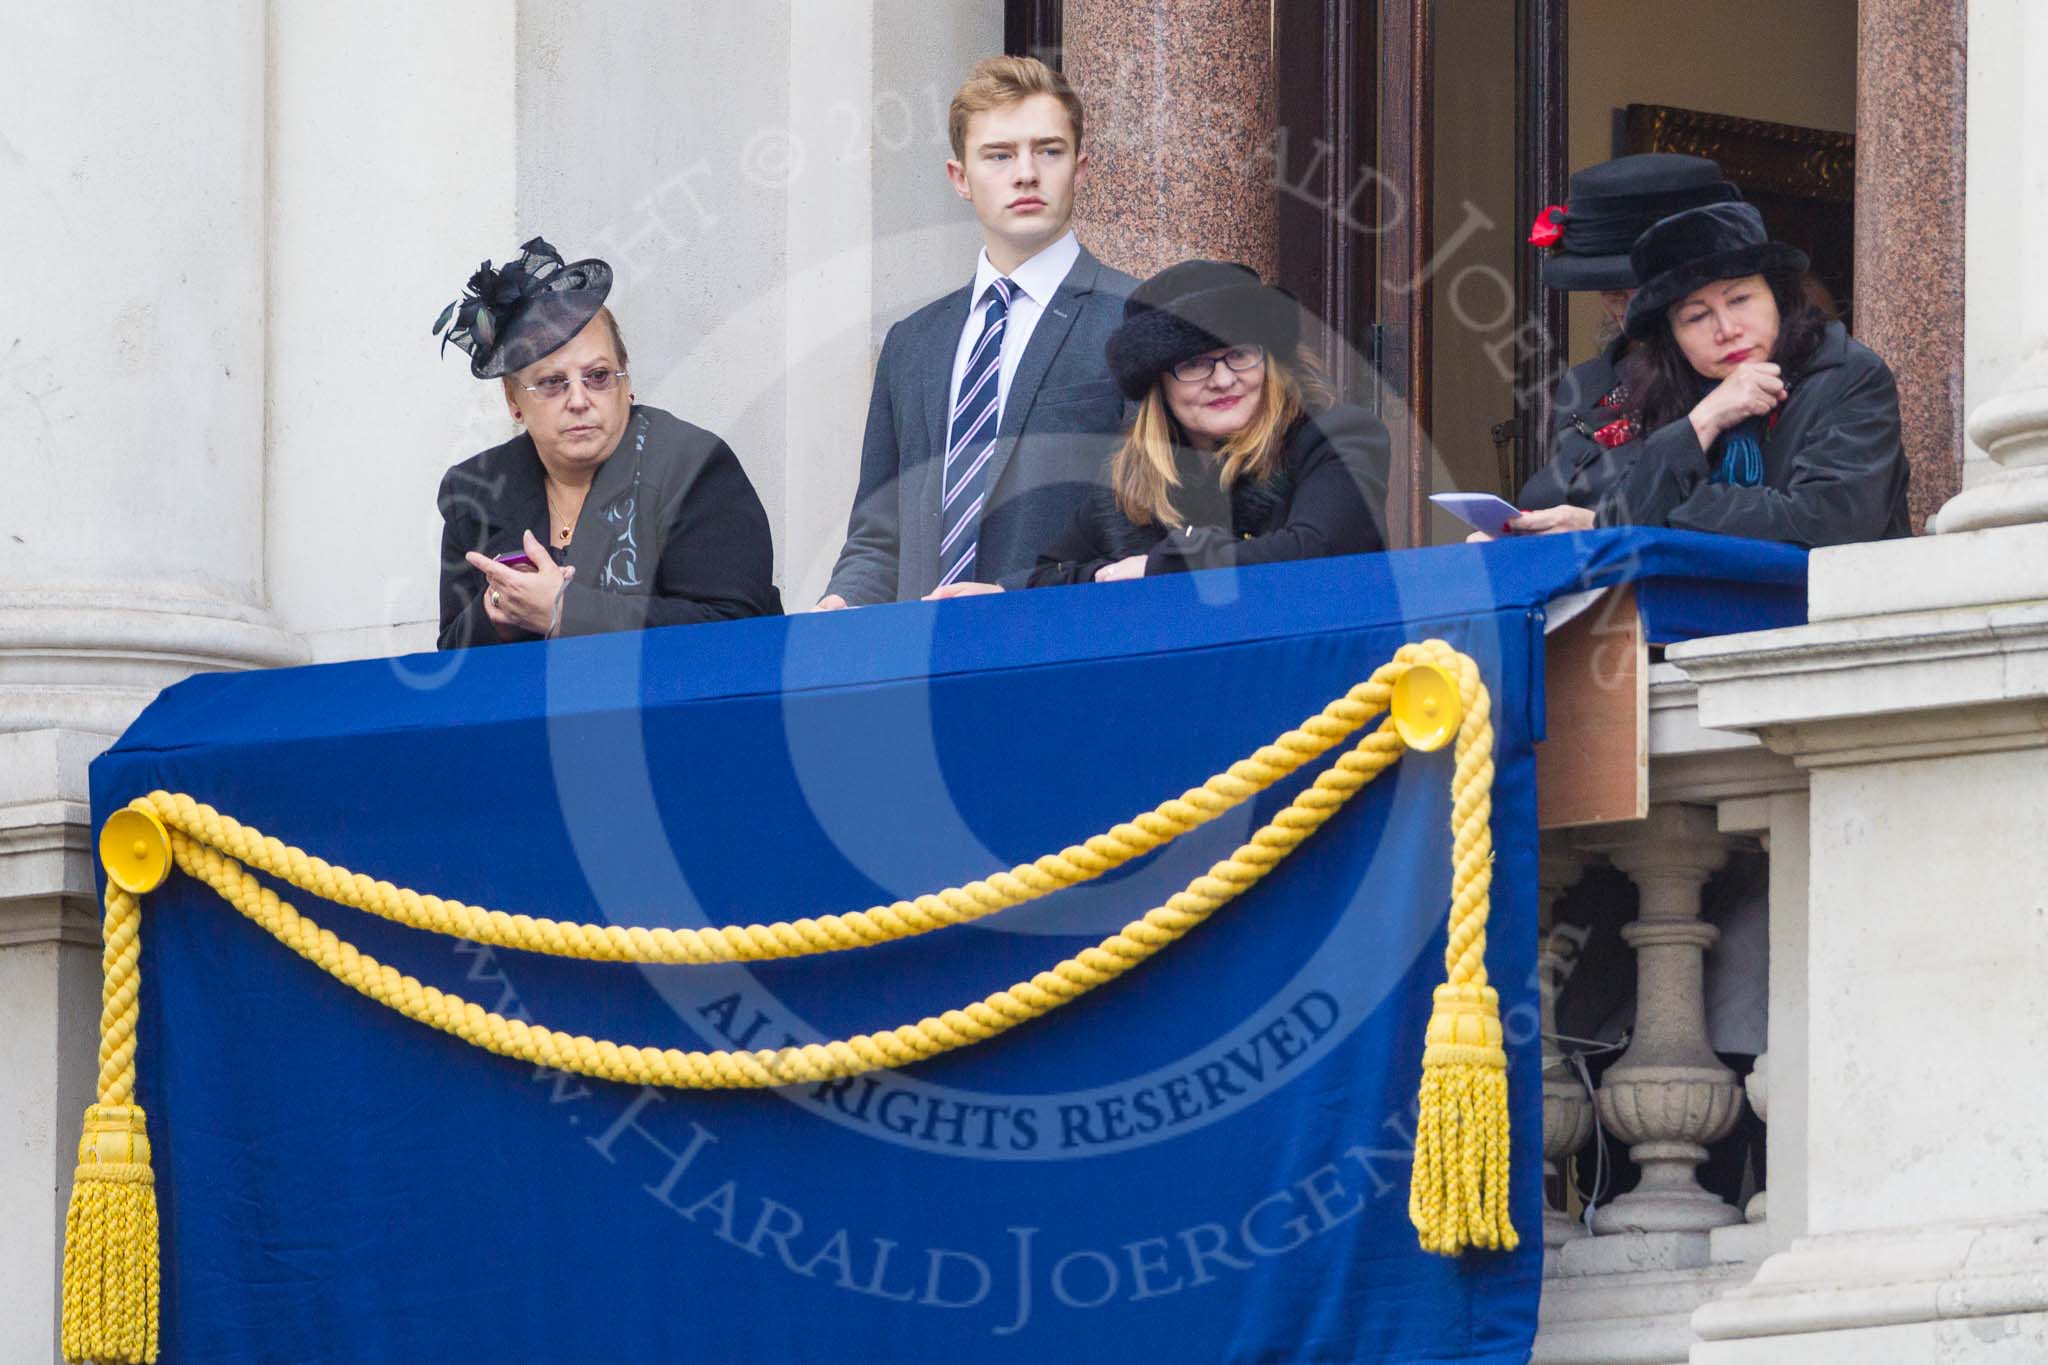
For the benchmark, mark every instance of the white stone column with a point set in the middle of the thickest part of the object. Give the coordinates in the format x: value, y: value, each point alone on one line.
x: 132, y: 376
x: 391, y: 176
x: 1567, y: 1108
x: 2007, y: 275
x: 1669, y: 1095
x: 1924, y: 727
x: 132, y: 381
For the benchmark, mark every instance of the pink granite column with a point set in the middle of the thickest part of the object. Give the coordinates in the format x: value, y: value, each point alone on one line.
x: 1910, y: 102
x: 1180, y: 128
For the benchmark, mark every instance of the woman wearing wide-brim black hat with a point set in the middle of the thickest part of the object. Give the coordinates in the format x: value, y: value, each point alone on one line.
x: 601, y: 514
x: 1587, y: 241
x: 1236, y: 454
x: 1761, y: 417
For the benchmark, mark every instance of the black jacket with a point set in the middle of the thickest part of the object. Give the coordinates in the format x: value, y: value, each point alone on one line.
x: 1059, y: 423
x: 1834, y: 468
x: 1328, y: 497
x: 671, y: 533
x: 1581, y: 467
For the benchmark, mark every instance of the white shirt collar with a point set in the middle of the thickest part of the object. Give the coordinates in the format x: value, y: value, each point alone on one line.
x: 1038, y: 277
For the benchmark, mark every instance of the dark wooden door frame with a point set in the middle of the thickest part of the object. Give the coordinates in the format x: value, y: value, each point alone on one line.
x: 1541, y: 173
x: 1407, y: 127
x: 1033, y: 28
x: 1323, y: 64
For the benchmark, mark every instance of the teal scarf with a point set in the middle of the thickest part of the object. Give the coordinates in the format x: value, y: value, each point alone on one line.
x: 1741, y: 447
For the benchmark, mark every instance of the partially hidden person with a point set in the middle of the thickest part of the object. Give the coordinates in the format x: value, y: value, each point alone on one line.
x: 992, y: 409
x: 1236, y: 454
x: 601, y: 514
x: 1588, y: 238
x: 1755, y: 415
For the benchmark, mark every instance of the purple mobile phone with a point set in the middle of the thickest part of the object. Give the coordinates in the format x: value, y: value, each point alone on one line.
x: 520, y: 560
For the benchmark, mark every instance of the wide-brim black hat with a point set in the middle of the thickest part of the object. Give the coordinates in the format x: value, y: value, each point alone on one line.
x: 1193, y: 307
x: 527, y: 309
x: 1687, y: 250
x: 1612, y: 204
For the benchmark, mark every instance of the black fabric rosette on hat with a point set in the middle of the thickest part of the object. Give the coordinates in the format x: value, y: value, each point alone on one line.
x: 1612, y: 204
x: 1198, y: 306
x: 513, y: 315
x: 1681, y: 253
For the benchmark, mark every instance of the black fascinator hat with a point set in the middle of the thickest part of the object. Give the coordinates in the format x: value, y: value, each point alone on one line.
x: 1680, y: 253
x: 509, y: 317
x: 1193, y: 307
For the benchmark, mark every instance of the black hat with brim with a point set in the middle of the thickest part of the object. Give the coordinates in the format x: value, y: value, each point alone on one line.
x: 527, y: 309
x: 1193, y: 307
x: 1688, y: 250
x: 1611, y: 204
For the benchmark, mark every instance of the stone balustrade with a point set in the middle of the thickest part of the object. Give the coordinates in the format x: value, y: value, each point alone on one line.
x: 1656, y: 1253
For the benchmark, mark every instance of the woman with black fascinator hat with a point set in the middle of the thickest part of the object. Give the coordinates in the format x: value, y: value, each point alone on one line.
x: 1750, y: 413
x: 601, y: 514
x: 1236, y: 454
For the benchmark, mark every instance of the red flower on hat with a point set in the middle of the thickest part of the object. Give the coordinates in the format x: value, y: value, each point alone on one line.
x: 1545, y: 231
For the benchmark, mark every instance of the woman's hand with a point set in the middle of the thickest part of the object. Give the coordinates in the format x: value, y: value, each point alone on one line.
x: 1132, y: 567
x: 522, y: 599
x: 1752, y: 389
x: 940, y: 594
x: 1550, y: 520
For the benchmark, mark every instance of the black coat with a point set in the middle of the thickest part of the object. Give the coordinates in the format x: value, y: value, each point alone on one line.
x: 1328, y: 497
x: 1581, y: 467
x: 1834, y: 468
x: 671, y: 533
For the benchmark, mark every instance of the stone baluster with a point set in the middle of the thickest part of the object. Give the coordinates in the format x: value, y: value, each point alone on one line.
x: 1567, y: 1108
x: 1757, y: 1085
x: 1669, y: 1095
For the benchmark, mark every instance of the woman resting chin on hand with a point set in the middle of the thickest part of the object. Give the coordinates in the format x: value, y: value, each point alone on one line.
x: 1758, y: 417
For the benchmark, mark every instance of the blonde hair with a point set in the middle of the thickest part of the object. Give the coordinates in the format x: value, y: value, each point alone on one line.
x: 1143, y: 473
x: 999, y: 81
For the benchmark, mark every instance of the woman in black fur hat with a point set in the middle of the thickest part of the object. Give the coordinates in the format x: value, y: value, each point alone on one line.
x: 1753, y: 414
x: 601, y: 514
x: 1236, y: 454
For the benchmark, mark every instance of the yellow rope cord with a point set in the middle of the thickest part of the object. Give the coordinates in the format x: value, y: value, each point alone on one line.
x: 1458, y: 1195
x: 826, y: 933
x: 110, y: 1228
x: 972, y: 1023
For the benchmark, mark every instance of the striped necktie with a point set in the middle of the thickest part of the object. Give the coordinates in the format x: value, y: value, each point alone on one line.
x: 971, y: 440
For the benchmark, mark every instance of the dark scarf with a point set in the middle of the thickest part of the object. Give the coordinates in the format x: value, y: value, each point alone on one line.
x: 1255, y: 506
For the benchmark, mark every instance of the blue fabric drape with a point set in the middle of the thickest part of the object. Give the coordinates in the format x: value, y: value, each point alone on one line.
x: 1204, y: 1161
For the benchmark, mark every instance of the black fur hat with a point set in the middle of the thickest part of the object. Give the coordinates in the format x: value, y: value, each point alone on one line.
x: 1680, y: 253
x: 529, y: 308
x: 1193, y: 307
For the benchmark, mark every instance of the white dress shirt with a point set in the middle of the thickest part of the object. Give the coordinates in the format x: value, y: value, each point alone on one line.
x: 1036, y: 280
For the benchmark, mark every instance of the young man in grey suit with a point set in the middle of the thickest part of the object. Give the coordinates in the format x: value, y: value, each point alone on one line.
x: 994, y: 410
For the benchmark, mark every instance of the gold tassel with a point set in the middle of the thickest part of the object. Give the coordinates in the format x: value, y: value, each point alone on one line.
x: 110, y: 1242
x: 1458, y: 1197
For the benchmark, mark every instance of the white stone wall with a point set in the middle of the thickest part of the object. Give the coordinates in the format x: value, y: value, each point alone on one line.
x: 391, y: 174
x: 230, y: 225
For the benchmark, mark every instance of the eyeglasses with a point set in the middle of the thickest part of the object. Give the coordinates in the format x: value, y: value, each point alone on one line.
x: 556, y: 385
x: 1238, y: 358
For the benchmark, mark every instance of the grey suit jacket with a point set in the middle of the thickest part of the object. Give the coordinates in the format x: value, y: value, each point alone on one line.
x: 1062, y: 419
